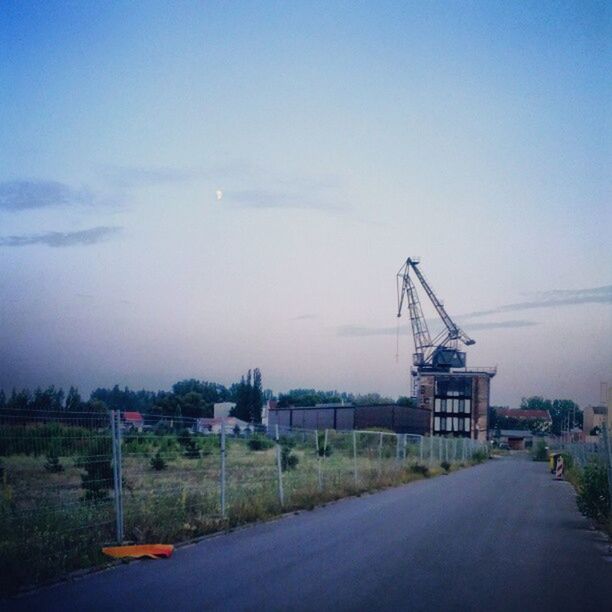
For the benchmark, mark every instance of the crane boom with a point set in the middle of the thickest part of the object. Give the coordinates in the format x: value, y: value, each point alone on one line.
x: 442, y: 352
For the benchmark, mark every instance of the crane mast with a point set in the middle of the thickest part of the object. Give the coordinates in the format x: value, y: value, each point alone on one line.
x: 442, y: 352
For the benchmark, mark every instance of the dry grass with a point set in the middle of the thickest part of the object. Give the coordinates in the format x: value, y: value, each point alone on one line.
x: 47, y: 530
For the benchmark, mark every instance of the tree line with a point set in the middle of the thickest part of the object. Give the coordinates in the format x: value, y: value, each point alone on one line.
x: 187, y: 398
x: 565, y: 414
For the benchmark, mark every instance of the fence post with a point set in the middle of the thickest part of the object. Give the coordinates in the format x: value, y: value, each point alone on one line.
x: 223, y: 511
x: 117, y: 472
x: 404, y: 445
x: 608, y: 459
x: 355, y: 456
x: 421, y: 449
x: 281, y: 493
x: 380, y: 445
x: 320, y: 479
x: 431, y: 451
x: 397, y: 448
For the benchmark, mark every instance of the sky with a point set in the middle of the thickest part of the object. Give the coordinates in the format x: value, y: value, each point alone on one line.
x: 344, y: 137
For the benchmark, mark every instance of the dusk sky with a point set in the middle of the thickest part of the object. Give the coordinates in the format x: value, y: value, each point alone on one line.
x: 344, y: 137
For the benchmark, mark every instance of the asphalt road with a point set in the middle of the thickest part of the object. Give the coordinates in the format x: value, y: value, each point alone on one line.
x: 499, y: 536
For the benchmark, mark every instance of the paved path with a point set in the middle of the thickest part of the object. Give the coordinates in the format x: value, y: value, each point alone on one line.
x: 500, y: 536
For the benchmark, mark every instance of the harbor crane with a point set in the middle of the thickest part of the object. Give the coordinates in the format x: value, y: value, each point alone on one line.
x: 442, y: 353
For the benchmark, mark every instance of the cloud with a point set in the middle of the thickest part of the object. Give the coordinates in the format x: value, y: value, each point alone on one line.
x: 356, y: 331
x: 552, y: 299
x: 30, y: 194
x: 61, y: 239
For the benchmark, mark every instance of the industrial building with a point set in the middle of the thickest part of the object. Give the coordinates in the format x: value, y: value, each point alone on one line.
x: 346, y: 417
x: 456, y: 398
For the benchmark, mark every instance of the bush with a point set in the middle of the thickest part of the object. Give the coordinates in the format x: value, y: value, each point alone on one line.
x: 258, y: 442
x: 594, y: 495
x: 445, y: 465
x: 190, y: 448
x: 418, y: 468
x: 158, y: 463
x: 479, y: 456
x: 53, y: 465
x: 98, y: 477
x: 324, y: 451
x: 539, y: 452
x: 289, y: 461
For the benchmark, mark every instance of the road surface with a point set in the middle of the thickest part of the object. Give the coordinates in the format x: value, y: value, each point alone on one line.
x: 499, y: 536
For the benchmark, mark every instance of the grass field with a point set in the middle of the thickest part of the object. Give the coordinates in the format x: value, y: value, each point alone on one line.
x: 52, y: 523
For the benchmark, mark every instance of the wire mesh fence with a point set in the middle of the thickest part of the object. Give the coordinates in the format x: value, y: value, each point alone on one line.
x: 592, y: 454
x: 74, y: 482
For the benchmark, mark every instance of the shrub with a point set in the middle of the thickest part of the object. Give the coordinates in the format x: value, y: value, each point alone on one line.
x: 418, y: 468
x: 98, y: 477
x: 289, y: 461
x: 324, y: 451
x: 594, y: 495
x: 158, y: 463
x: 53, y: 465
x: 479, y: 456
x: 445, y: 465
x: 190, y: 448
x: 257, y: 443
x: 539, y: 452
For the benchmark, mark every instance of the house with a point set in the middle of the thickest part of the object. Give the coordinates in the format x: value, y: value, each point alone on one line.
x: 132, y: 420
x: 529, y: 420
x: 516, y: 439
x: 214, y: 425
x: 594, y: 417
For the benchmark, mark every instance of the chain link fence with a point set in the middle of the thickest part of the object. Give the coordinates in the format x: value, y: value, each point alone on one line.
x: 590, y: 458
x: 71, y: 483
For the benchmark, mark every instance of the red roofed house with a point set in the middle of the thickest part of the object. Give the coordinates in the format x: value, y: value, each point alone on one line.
x: 132, y: 420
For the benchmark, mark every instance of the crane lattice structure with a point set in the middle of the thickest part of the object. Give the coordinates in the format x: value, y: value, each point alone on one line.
x: 441, y: 353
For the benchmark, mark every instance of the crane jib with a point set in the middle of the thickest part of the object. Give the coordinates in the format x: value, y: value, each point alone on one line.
x: 442, y: 352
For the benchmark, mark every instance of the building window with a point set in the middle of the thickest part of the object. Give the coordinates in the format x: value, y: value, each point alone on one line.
x: 437, y: 403
x: 436, y: 423
x: 467, y: 406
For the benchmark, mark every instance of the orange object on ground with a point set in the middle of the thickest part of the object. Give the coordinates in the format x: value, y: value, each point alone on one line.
x: 154, y: 551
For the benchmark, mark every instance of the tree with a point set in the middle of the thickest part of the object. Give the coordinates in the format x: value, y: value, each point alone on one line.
x: 248, y: 396
x: 73, y: 400
x: 372, y: 399
x: 563, y: 413
x: 406, y: 401
x: 98, y: 476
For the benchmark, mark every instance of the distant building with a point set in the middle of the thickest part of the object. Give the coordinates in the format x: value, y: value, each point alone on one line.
x: 516, y: 418
x: 222, y: 409
x: 594, y: 417
x: 516, y: 439
x: 457, y: 401
x: 269, y: 405
x: 132, y: 420
x: 346, y: 417
x: 213, y: 426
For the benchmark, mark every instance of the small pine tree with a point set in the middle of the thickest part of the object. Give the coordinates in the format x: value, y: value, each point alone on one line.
x: 158, y: 463
x: 289, y: 461
x: 53, y: 465
x: 98, y: 477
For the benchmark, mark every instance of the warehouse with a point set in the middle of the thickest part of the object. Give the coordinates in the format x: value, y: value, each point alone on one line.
x: 345, y: 417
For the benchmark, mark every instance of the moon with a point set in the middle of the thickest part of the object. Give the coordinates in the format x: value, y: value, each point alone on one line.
x: 219, y: 195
